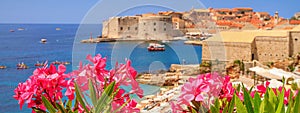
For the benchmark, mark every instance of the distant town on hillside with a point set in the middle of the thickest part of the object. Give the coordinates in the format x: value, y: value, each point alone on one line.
x: 167, y: 24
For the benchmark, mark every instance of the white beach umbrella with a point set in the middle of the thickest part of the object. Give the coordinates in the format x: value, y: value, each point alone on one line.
x: 275, y: 83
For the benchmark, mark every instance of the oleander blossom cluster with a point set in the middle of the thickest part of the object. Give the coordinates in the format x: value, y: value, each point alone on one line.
x: 48, y: 82
x: 52, y: 83
x: 199, y: 94
x: 201, y: 90
x: 122, y: 74
x: 262, y: 89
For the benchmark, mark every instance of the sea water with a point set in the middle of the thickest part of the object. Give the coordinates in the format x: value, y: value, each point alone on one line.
x: 24, y: 46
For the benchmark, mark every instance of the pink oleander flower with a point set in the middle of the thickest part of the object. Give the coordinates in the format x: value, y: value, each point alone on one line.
x: 48, y: 82
x: 202, y: 89
x: 261, y: 89
x: 227, y: 89
x: 122, y: 74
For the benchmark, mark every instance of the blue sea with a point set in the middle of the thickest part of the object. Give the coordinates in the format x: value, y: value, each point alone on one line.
x: 63, y: 45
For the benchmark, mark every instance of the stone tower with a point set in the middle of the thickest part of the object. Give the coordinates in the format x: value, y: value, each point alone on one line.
x: 276, y: 17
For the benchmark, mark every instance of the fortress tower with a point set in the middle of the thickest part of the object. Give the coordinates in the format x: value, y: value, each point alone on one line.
x: 276, y: 17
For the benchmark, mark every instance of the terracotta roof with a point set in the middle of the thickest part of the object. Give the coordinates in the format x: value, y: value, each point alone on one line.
x: 243, y: 19
x: 244, y: 36
x: 295, y: 22
x: 224, y: 9
x: 149, y: 14
x: 263, y: 13
x: 243, y: 8
x: 288, y: 28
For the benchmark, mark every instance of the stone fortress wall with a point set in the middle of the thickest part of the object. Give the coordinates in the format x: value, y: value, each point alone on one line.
x: 261, y: 48
x: 139, y: 27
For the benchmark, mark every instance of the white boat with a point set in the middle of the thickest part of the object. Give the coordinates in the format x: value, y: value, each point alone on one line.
x: 156, y: 47
x: 57, y: 29
x: 21, y: 29
x: 165, y: 41
x: 43, y: 40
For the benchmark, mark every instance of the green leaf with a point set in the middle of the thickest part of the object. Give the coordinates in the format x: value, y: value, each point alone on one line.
x: 297, y: 103
x: 273, y: 98
x: 262, y: 106
x: 61, y: 108
x: 69, y: 105
x: 238, y: 88
x: 193, y: 110
x: 38, y: 110
x: 280, y: 108
x: 92, y: 92
x: 48, y: 105
x: 215, y: 108
x: 291, y: 104
x: 266, y: 107
x: 76, y: 111
x: 247, y: 101
x: 105, y: 98
x: 79, y: 97
x: 257, y: 102
x: 240, y: 106
x: 231, y: 105
x: 226, y: 107
x: 217, y: 104
x: 250, y: 90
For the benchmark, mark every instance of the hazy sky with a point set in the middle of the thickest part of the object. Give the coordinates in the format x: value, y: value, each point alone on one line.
x: 75, y: 11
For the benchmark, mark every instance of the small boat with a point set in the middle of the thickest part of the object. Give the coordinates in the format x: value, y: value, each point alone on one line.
x: 43, y: 40
x: 11, y: 30
x: 22, y: 66
x: 38, y: 64
x: 165, y: 41
x: 2, y: 67
x: 56, y: 62
x: 65, y: 63
x: 57, y: 29
x: 21, y: 29
x: 156, y: 47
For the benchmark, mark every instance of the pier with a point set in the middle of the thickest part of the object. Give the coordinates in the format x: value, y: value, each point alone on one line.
x: 195, y: 42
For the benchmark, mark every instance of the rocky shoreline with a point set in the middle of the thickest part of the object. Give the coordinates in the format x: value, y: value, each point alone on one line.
x: 176, y: 75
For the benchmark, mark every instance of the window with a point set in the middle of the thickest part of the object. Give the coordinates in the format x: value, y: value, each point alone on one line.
x: 154, y: 29
x: 270, y: 54
x: 165, y: 23
x: 165, y: 29
x: 136, y: 28
x: 121, y: 28
x: 154, y: 23
x: 128, y: 28
x: 296, y: 39
x: 144, y: 23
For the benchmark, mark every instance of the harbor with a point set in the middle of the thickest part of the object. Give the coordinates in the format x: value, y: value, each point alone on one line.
x: 150, y: 57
